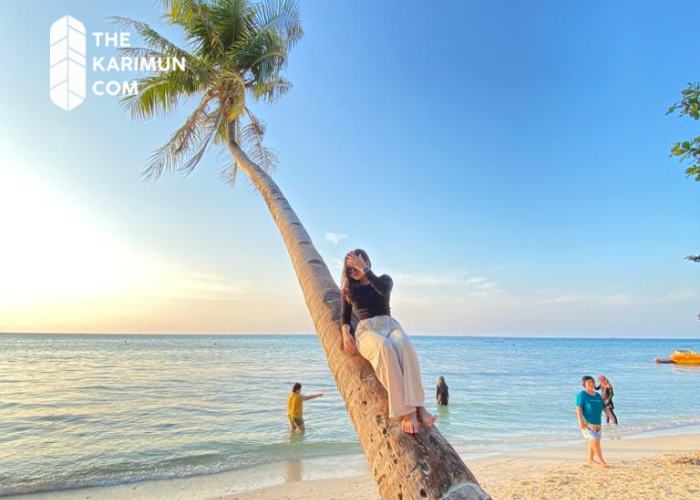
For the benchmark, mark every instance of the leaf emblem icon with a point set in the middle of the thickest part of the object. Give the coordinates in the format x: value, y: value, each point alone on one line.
x: 68, y: 62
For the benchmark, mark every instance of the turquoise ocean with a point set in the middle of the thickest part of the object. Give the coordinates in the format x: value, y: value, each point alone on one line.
x: 97, y: 410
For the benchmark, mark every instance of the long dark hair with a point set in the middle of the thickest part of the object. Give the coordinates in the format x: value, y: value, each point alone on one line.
x: 348, y: 284
x: 604, y: 382
x: 441, y: 382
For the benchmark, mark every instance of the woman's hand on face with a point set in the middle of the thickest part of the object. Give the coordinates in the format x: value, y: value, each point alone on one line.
x: 356, y: 261
x: 349, y: 343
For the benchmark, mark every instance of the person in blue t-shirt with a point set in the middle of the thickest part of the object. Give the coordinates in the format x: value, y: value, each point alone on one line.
x: 589, y: 407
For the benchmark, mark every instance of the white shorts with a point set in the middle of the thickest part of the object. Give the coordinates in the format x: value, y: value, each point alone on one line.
x: 592, y: 433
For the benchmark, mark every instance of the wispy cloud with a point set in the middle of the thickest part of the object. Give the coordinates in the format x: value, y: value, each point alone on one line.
x: 566, y: 299
x: 620, y: 299
x: 461, y: 288
x: 205, y: 286
x: 677, y: 296
x: 335, y: 238
x: 456, y: 278
x: 466, y: 290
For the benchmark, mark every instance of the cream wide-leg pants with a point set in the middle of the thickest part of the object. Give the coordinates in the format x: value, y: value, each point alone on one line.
x: 382, y: 342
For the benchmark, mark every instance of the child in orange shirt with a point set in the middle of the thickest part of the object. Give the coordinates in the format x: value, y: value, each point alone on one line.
x: 295, y: 408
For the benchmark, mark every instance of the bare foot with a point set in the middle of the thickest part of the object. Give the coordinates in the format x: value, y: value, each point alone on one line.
x: 425, y: 416
x: 590, y: 463
x: 604, y: 465
x: 409, y: 423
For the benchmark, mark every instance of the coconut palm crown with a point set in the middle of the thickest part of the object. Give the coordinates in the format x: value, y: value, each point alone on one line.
x: 235, y: 52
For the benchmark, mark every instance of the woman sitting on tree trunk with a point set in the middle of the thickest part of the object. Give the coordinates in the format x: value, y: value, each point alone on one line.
x: 380, y: 339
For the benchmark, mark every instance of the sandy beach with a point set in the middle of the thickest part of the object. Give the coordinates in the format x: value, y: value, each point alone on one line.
x: 651, y: 467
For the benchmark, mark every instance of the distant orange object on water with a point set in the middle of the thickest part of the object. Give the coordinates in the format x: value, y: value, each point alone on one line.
x: 681, y: 357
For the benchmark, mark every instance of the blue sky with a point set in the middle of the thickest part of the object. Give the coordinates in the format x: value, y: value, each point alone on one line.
x: 506, y: 162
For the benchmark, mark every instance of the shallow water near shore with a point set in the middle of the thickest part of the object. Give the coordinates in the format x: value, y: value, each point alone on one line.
x: 92, y: 410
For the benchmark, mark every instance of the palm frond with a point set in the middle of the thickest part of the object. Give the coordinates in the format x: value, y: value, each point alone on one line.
x: 274, y: 30
x: 251, y: 140
x: 194, y: 134
x: 229, y: 173
x: 232, y: 19
x: 259, y: 48
x: 152, y: 38
x: 201, y: 30
x: 197, y: 156
x: 139, y: 52
x: 181, y: 12
x: 156, y: 97
x: 281, y: 17
x: 270, y: 91
x: 198, y: 72
x: 161, y: 93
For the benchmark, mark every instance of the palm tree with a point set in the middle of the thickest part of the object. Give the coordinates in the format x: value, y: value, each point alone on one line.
x: 236, y: 50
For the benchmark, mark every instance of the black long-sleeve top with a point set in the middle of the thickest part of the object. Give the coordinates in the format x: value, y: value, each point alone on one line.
x: 368, y: 300
x: 607, y: 393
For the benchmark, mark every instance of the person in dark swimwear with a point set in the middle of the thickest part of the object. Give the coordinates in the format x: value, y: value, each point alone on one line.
x: 442, y: 395
x: 380, y: 339
x: 606, y: 390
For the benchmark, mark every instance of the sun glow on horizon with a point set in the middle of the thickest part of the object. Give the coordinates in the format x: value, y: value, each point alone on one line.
x: 61, y: 269
x: 52, y: 249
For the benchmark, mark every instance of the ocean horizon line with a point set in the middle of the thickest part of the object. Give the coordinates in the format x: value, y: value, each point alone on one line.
x: 307, y: 334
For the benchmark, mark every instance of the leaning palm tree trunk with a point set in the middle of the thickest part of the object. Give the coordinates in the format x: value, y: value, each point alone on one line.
x: 404, y: 467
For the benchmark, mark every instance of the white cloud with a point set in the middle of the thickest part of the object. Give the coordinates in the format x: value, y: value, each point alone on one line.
x: 335, y: 238
x: 621, y: 299
x: 617, y: 299
x: 456, y: 278
x: 442, y: 289
x: 566, y: 299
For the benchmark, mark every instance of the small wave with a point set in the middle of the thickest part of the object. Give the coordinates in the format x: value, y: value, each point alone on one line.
x: 174, y: 468
x: 671, y: 424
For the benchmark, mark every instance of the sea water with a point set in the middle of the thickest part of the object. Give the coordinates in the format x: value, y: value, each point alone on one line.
x: 90, y: 410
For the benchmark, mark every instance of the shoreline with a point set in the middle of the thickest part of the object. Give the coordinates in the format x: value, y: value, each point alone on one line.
x: 656, y: 466
x: 347, y: 476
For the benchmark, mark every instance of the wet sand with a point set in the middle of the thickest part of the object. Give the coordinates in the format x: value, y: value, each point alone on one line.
x: 659, y: 467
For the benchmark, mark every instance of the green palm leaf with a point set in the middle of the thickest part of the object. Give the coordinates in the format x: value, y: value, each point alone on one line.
x: 235, y: 51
